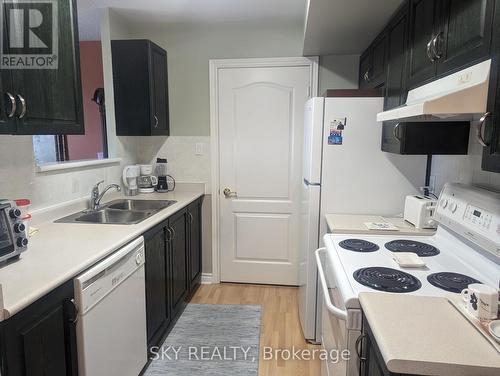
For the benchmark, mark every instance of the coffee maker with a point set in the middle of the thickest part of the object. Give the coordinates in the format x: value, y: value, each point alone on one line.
x: 163, y: 178
x: 147, y: 182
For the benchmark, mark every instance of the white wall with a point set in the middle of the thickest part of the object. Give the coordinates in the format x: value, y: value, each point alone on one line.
x: 338, y: 72
x: 464, y: 168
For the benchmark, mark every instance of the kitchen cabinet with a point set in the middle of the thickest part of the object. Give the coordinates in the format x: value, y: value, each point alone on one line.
x: 140, y: 83
x: 423, y: 22
x: 47, y: 99
x: 364, y: 69
x: 41, y: 339
x: 373, y: 64
x: 424, y: 138
x: 464, y: 35
x: 195, y: 255
x: 491, y: 131
x: 177, y: 229
x: 158, y: 312
x: 397, y: 32
x: 446, y: 36
x: 372, y: 362
x: 173, y: 269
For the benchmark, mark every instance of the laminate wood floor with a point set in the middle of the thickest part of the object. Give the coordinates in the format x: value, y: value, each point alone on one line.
x: 280, y: 326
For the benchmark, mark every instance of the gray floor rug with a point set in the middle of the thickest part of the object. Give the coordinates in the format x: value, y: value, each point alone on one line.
x: 212, y: 340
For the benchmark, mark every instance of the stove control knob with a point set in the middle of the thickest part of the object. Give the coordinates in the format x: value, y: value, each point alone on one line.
x: 22, y: 242
x: 444, y: 203
x: 15, y: 213
x: 454, y: 207
x: 19, y: 227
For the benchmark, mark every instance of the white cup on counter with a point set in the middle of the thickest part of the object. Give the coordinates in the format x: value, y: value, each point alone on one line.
x: 481, y: 301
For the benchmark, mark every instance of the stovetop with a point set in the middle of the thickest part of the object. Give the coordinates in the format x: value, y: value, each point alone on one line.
x: 451, y: 256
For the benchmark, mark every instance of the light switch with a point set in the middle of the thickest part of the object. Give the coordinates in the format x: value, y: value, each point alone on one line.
x: 199, y: 149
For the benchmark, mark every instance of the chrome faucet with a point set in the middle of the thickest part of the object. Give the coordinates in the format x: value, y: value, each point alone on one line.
x: 96, y: 196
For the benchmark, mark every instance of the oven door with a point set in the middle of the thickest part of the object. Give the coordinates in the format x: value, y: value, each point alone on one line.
x: 335, y: 335
x: 6, y: 241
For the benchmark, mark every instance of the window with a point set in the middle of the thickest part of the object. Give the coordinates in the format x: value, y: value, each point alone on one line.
x: 93, y: 144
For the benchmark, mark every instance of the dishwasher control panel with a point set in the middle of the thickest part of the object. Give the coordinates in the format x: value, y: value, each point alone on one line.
x: 93, y: 285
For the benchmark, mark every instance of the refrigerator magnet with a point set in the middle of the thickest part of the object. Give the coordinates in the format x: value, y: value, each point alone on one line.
x: 335, y: 137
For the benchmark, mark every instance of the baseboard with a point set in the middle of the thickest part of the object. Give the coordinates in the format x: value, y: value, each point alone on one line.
x: 206, y: 278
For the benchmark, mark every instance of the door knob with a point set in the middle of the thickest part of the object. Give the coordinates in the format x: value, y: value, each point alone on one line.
x: 228, y: 193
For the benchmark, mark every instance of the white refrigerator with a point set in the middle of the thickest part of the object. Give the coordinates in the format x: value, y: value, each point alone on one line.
x: 345, y: 172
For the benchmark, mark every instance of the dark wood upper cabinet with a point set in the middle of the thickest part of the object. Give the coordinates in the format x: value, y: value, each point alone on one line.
x: 373, y: 64
x: 47, y: 97
x: 491, y: 153
x: 423, y: 21
x: 141, y: 103
x: 365, y: 62
x: 397, y: 33
x: 464, y: 35
x: 379, y: 61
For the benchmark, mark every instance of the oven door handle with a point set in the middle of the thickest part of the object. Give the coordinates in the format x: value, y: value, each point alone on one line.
x: 337, y: 312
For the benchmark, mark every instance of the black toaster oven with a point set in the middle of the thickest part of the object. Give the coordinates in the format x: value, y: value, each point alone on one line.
x: 13, y: 237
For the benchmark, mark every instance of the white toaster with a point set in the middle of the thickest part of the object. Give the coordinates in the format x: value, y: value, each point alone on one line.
x: 419, y: 211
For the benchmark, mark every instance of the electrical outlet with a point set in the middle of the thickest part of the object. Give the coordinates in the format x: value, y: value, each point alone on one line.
x: 199, y: 149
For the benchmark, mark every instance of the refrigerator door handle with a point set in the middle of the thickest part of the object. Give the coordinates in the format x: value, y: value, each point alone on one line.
x: 337, y: 312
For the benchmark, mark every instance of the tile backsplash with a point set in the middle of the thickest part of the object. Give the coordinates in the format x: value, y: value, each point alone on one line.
x: 19, y: 178
x: 185, y: 163
x: 464, y: 168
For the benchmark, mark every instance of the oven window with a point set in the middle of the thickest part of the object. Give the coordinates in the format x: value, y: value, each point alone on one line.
x: 6, y: 245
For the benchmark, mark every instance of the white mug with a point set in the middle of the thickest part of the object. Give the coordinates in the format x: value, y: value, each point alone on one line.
x: 481, y: 300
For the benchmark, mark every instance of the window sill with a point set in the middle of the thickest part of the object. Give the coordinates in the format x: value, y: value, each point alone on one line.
x: 76, y: 164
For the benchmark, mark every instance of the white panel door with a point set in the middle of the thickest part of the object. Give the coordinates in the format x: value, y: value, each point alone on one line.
x: 261, y: 114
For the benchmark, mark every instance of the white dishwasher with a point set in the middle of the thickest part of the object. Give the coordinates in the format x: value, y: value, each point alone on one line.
x: 111, y: 326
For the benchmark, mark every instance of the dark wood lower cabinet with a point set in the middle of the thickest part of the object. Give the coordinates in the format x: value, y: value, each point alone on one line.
x: 158, y: 313
x: 173, y: 269
x: 373, y: 363
x: 195, y: 255
x: 41, y: 339
x: 177, y: 226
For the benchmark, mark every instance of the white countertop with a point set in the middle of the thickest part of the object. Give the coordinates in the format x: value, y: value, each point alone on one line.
x: 427, y: 336
x: 355, y: 224
x: 60, y: 251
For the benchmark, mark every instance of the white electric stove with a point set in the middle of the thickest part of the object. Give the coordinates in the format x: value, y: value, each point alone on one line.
x: 465, y: 249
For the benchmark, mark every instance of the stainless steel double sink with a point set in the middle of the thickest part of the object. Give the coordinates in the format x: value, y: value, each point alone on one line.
x: 119, y: 212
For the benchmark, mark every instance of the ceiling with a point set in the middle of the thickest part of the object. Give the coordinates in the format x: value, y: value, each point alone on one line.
x: 345, y: 26
x: 190, y: 12
x: 331, y: 27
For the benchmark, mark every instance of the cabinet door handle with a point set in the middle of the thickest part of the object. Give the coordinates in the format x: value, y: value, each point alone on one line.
x: 359, y: 341
x: 480, y: 129
x: 191, y: 218
x: 75, y: 307
x: 429, y: 52
x: 395, y: 132
x: 169, y: 236
x: 437, y: 55
x: 156, y: 121
x: 173, y: 233
x: 23, y: 105
x: 13, y: 104
x: 367, y: 75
